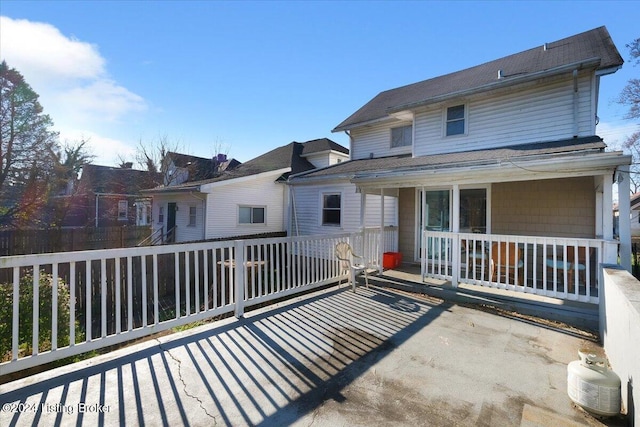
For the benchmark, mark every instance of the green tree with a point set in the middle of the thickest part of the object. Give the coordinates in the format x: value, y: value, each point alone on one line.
x: 25, y: 315
x: 26, y: 146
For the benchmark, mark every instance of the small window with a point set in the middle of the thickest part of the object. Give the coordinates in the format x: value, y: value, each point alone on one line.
x: 161, y: 214
x: 192, y: 216
x: 123, y: 207
x: 331, y: 209
x: 401, y: 136
x: 251, y: 215
x: 455, y: 120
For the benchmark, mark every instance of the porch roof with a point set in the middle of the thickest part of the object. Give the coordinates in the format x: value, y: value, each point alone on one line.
x: 555, y: 155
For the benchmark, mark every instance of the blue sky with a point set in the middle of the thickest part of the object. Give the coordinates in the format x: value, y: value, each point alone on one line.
x: 246, y: 77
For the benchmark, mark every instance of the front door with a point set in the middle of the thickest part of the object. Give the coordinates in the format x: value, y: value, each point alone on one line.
x: 171, y: 223
x: 434, y: 214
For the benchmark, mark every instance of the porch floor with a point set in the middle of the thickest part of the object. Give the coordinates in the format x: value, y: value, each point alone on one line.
x: 575, y: 313
x: 374, y: 357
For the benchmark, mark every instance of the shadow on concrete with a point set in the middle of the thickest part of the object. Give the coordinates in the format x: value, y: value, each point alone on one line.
x: 271, y: 368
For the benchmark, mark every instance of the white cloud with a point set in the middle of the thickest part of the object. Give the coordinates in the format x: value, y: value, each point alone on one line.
x: 69, y: 75
x: 107, y: 151
x: 40, y: 52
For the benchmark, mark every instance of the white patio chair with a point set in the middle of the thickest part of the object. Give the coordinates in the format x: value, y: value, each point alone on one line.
x: 346, y: 257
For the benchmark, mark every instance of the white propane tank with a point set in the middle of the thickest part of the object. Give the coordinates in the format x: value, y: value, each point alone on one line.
x: 593, y: 385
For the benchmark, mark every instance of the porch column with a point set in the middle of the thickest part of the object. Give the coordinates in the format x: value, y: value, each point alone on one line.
x: 363, y: 221
x: 610, y: 255
x: 381, y: 241
x: 455, y: 228
x: 624, y: 212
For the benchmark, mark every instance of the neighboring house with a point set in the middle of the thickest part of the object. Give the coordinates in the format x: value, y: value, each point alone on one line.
x: 109, y: 196
x: 634, y: 217
x: 508, y: 147
x: 248, y: 199
x: 181, y: 168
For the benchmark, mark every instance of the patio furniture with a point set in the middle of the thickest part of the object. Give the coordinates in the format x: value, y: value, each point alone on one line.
x: 570, y: 266
x: 506, y: 260
x: 345, y: 256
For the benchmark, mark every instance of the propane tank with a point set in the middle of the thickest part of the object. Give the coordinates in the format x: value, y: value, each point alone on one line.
x: 592, y: 385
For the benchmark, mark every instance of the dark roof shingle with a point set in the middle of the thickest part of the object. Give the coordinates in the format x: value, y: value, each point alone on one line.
x: 594, y: 45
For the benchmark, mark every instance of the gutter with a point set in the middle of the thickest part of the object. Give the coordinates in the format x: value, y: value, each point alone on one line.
x: 588, y: 164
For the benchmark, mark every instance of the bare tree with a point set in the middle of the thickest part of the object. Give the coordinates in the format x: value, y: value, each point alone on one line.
x: 630, y: 97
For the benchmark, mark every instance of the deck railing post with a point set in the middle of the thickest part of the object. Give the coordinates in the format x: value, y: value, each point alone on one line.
x: 455, y: 259
x: 239, y: 266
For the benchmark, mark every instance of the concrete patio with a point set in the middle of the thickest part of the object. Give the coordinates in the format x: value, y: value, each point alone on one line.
x: 375, y: 357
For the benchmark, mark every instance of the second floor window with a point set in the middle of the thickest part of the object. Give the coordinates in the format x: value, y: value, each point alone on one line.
x: 401, y: 136
x: 123, y: 206
x: 455, y: 120
x: 251, y: 215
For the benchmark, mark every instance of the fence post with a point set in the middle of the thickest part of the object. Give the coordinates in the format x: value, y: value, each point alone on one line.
x: 240, y: 255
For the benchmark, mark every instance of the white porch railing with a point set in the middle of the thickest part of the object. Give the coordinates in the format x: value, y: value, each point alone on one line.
x: 563, y: 268
x: 96, y: 299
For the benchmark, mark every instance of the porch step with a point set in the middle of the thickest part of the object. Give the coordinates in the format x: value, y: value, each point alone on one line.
x: 583, y: 316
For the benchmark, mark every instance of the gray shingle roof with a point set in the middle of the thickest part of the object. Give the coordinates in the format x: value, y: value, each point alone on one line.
x: 286, y: 156
x: 351, y: 168
x: 322, y: 144
x: 594, y: 45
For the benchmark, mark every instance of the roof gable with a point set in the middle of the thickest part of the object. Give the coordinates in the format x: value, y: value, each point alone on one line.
x: 591, y: 46
x: 112, y: 180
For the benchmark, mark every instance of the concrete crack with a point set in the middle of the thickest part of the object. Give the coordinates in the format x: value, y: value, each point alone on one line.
x: 184, y: 383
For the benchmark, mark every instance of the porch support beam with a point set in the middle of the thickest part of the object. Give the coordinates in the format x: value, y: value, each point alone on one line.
x: 381, y: 235
x: 455, y: 228
x: 624, y: 212
x: 610, y: 255
x: 363, y: 221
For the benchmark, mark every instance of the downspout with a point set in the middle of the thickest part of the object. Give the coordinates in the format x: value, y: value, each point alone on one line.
x: 350, y: 143
x: 97, y: 196
x: 293, y: 209
x: 575, y: 103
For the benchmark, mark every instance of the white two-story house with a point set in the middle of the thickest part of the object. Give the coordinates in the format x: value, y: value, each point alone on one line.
x: 492, y: 170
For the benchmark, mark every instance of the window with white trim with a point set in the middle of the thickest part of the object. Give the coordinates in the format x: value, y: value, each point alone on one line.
x: 193, y: 211
x: 123, y: 207
x: 251, y: 214
x: 331, y: 209
x: 401, y: 136
x: 455, y: 120
x: 160, y: 214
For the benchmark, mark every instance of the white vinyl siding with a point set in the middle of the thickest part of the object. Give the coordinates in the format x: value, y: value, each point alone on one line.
x: 519, y: 115
x: 536, y: 114
x: 187, y: 211
x: 223, y: 202
x: 376, y: 139
x: 309, y: 212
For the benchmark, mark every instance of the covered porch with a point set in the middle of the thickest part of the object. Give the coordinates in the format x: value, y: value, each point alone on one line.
x: 532, y: 220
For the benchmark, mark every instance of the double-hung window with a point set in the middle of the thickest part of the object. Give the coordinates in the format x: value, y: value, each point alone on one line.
x: 331, y: 209
x: 251, y: 214
x: 455, y: 122
x: 193, y: 211
x: 123, y: 207
x: 401, y: 136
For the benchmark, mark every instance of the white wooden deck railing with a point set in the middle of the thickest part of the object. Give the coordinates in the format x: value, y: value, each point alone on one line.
x: 558, y: 267
x: 106, y: 297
